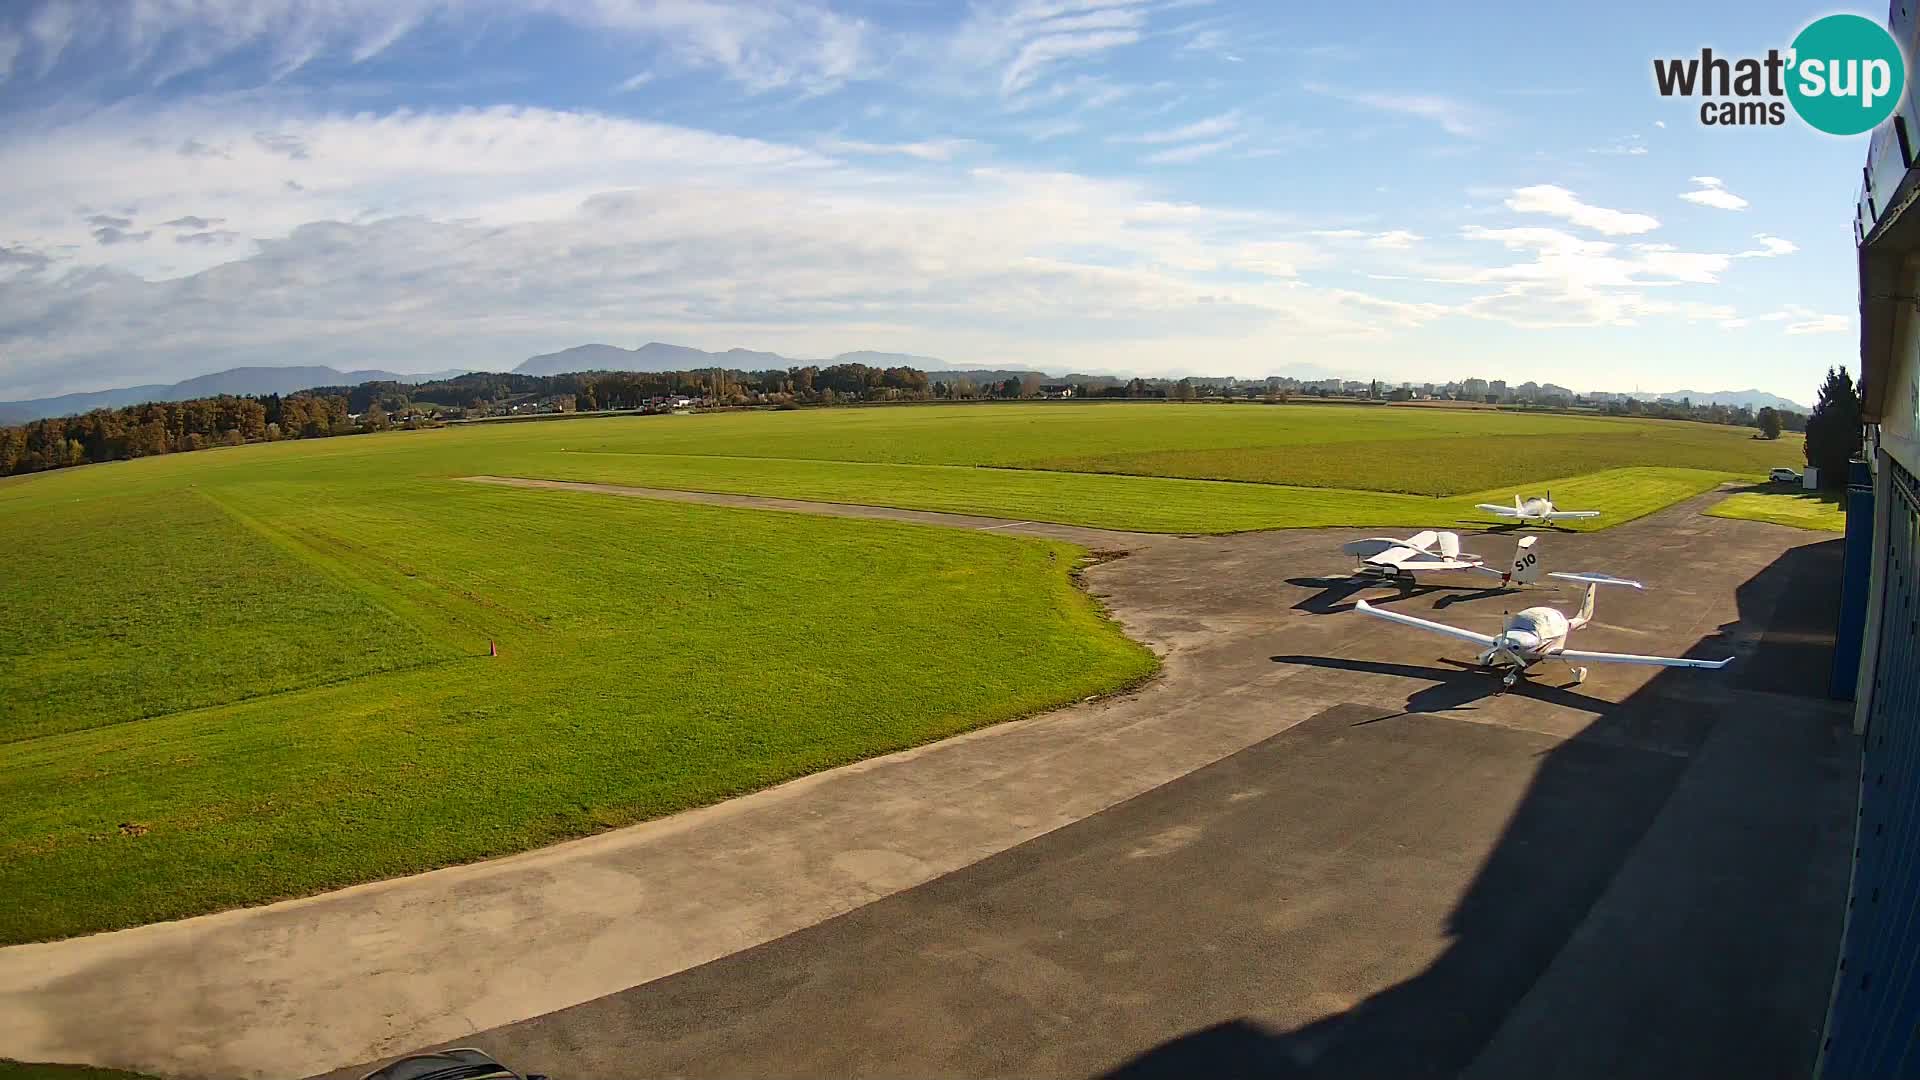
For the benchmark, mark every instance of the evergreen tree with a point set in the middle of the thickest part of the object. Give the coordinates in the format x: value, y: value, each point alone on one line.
x: 1833, y: 429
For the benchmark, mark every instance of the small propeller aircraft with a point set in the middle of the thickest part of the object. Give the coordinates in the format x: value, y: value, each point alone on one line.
x: 1540, y: 633
x: 1386, y: 559
x: 1538, y: 509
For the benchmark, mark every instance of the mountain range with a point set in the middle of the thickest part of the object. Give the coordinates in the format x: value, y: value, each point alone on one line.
x: 1752, y: 399
x: 653, y: 356
x: 256, y: 381
x: 659, y: 356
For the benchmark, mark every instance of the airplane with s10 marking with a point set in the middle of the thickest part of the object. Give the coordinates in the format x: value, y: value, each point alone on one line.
x: 1386, y: 559
x: 1539, y: 510
x: 1540, y: 633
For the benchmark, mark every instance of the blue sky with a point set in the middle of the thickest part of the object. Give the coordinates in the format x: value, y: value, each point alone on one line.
x: 1421, y: 192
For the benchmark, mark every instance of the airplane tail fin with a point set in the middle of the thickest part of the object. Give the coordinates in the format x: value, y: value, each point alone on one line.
x: 1526, y: 562
x: 1518, y: 506
x: 1592, y: 581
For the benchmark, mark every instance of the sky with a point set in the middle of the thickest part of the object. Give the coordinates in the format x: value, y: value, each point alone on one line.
x: 1416, y: 192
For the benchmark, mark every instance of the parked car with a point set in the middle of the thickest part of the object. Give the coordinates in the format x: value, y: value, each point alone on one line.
x: 1784, y: 476
x: 463, y: 1063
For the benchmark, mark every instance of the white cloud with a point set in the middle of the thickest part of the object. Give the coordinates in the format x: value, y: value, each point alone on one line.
x: 1556, y: 201
x: 634, y: 82
x: 1215, y: 40
x: 1276, y: 258
x: 923, y: 150
x: 1192, y: 151
x: 1454, y: 116
x: 1631, y: 146
x: 51, y: 28
x: 1659, y: 123
x: 1573, y: 281
x: 10, y: 46
x: 1036, y: 55
x: 1803, y: 320
x: 761, y: 44
x: 1394, y: 240
x: 1770, y: 247
x: 484, y: 235
x: 1211, y: 127
x: 1711, y: 192
x: 1024, y: 40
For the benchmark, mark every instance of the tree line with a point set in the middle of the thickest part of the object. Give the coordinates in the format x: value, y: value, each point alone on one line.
x: 1770, y: 421
x: 174, y: 427
x: 171, y: 427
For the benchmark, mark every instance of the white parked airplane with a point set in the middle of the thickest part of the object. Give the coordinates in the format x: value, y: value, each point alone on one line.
x: 1538, y: 509
x: 1540, y: 633
x: 1384, y: 558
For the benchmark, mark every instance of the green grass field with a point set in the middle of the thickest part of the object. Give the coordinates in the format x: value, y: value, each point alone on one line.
x: 1142, y: 504
x: 290, y: 688
x: 1415, y: 451
x: 1817, y: 510
x: 246, y: 674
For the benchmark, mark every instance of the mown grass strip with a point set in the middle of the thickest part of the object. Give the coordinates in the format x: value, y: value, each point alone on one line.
x: 1821, y: 511
x: 1130, y: 503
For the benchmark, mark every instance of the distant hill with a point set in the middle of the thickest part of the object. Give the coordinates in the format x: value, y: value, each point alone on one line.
x: 653, y: 356
x: 240, y: 381
x: 1752, y: 399
x: 888, y: 359
x: 660, y: 356
x: 982, y: 376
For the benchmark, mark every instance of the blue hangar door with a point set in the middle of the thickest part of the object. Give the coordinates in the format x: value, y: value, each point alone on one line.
x: 1873, y: 1029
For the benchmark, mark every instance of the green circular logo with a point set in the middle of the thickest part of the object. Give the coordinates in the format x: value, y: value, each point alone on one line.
x: 1846, y: 74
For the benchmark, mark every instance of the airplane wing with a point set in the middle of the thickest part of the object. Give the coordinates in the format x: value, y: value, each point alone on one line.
x: 1499, y: 511
x: 1564, y: 515
x: 1596, y: 579
x: 1393, y: 556
x: 1421, y: 624
x: 1631, y: 658
x: 1409, y: 559
x: 1438, y: 563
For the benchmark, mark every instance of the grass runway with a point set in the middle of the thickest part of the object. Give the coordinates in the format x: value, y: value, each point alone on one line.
x: 244, y: 674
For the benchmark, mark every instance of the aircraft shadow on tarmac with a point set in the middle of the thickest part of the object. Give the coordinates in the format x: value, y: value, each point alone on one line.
x: 1592, y: 799
x: 1514, y: 526
x: 1458, y: 686
x: 1338, y: 593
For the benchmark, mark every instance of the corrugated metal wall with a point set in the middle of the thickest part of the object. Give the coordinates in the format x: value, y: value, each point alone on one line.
x: 1873, y: 1029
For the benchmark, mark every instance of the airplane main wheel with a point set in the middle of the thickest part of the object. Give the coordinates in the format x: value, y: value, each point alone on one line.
x: 1579, y: 675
